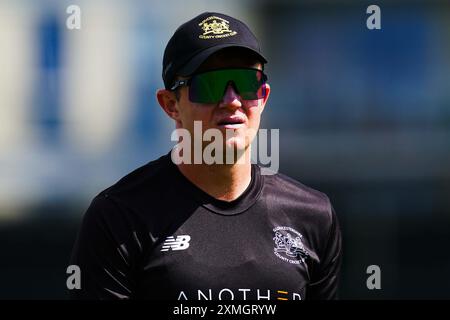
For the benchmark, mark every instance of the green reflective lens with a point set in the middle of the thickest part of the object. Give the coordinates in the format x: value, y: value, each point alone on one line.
x: 210, y: 86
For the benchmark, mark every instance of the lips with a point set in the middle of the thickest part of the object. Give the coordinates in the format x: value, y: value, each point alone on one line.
x: 232, y: 120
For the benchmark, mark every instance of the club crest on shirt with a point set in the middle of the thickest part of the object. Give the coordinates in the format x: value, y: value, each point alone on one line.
x: 288, y: 245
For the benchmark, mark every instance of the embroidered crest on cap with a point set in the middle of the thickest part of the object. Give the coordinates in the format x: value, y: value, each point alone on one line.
x: 215, y: 29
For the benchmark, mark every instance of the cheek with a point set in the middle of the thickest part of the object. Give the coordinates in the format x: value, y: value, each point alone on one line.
x: 192, y: 112
x: 254, y: 114
x: 202, y: 112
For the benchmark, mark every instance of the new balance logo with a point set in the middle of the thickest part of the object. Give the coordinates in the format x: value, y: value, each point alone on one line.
x: 180, y: 243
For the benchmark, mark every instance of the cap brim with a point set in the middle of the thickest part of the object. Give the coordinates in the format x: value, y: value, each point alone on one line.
x: 199, y: 58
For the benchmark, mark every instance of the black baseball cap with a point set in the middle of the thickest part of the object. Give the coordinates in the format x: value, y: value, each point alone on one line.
x: 197, y: 39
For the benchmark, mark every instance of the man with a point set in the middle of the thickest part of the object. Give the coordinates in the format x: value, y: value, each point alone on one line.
x: 193, y: 230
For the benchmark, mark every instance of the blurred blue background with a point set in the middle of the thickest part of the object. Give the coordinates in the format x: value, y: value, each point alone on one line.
x: 364, y: 116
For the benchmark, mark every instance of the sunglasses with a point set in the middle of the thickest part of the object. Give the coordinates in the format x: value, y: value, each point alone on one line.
x: 210, y: 86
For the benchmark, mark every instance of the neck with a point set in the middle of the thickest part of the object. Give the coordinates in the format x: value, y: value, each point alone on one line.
x: 222, y: 181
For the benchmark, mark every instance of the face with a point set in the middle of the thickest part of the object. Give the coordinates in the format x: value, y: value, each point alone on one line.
x: 237, y: 119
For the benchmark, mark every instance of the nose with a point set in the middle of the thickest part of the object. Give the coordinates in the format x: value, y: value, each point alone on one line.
x: 231, y: 99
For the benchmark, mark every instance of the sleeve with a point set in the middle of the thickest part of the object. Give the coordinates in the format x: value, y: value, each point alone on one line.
x: 102, y: 253
x: 324, y: 285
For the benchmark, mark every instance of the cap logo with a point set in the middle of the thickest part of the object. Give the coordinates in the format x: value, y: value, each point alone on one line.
x: 215, y: 29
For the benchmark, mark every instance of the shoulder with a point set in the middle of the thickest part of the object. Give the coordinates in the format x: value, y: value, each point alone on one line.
x: 135, y: 190
x: 119, y: 206
x: 147, y: 176
x: 287, y: 186
x: 290, y: 195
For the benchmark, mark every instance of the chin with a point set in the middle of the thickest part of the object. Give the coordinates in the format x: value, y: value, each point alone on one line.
x: 236, y: 143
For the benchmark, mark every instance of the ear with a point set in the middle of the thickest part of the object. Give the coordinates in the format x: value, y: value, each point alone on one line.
x: 168, y: 103
x: 263, y: 103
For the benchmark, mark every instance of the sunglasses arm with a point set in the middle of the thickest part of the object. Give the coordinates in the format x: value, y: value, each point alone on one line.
x: 179, y: 83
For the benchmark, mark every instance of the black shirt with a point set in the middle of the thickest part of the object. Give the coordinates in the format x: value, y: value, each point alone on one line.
x: 155, y: 235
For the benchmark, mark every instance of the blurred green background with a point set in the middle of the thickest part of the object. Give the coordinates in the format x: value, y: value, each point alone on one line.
x: 364, y: 116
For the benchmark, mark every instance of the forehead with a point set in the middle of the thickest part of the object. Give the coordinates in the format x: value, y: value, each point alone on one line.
x: 231, y: 58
